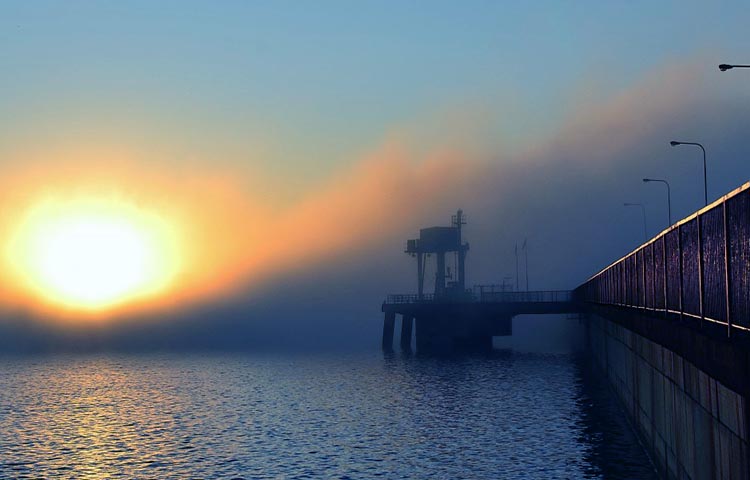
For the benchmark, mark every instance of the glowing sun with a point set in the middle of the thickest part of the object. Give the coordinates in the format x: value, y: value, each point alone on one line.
x: 93, y: 254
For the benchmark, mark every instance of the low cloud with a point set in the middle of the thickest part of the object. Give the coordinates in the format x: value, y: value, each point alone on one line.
x: 564, y: 193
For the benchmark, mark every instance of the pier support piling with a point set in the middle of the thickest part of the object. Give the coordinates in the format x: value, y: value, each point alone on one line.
x: 406, y: 326
x: 388, y: 325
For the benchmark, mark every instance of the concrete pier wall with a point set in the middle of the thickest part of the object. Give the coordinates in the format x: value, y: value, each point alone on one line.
x: 692, y: 425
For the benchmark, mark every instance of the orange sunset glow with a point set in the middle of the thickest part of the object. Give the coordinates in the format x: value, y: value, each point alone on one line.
x: 84, y: 241
x: 94, y: 253
x: 262, y: 239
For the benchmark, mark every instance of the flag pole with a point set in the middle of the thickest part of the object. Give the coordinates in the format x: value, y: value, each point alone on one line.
x: 517, y: 283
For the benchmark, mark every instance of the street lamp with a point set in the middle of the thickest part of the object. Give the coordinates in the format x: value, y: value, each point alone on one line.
x: 643, y: 210
x: 669, y: 195
x: 705, y: 184
x: 724, y: 67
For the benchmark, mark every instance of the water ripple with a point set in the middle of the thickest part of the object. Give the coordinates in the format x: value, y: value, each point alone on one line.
x: 504, y: 416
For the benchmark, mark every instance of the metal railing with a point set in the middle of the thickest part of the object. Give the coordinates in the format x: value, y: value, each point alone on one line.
x: 543, y: 296
x: 699, y: 268
x: 486, y: 296
x: 409, y: 298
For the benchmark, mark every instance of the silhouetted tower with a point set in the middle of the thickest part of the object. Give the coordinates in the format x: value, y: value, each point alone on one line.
x: 439, y: 241
x: 458, y: 220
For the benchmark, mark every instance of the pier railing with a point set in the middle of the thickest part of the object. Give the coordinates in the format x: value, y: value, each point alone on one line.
x: 699, y: 268
x: 481, y: 295
x: 410, y: 298
x: 545, y: 296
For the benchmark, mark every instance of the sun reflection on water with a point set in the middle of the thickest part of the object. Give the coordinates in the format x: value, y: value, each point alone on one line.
x: 154, y: 416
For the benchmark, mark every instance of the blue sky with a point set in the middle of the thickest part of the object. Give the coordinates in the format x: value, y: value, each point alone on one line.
x: 311, y: 85
x: 521, y: 113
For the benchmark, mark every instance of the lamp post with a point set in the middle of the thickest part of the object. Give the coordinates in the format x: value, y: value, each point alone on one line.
x: 724, y: 66
x: 669, y: 195
x: 643, y: 210
x: 705, y: 184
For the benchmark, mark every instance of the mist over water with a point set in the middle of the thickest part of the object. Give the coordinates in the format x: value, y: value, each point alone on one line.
x: 510, y: 414
x: 203, y: 206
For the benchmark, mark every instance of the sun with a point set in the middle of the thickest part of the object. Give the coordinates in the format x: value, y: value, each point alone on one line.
x: 93, y: 254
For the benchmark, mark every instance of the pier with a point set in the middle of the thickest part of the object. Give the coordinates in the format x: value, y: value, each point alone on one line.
x: 454, y: 318
x: 668, y: 324
x: 445, y: 324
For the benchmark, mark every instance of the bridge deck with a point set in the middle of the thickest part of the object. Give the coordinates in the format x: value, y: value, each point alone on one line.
x: 518, y: 303
x: 479, y: 295
x: 466, y: 320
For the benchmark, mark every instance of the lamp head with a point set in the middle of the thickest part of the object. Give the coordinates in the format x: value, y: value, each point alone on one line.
x: 674, y: 144
x: 724, y: 67
x: 646, y: 180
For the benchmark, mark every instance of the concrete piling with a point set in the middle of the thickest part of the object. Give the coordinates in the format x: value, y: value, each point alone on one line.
x: 389, y: 323
x: 406, y: 327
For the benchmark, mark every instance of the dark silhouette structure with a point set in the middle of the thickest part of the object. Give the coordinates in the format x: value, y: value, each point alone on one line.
x: 454, y: 317
x: 438, y: 241
x: 696, y: 269
x: 669, y: 323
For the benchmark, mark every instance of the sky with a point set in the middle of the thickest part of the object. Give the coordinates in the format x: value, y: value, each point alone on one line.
x: 274, y: 156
